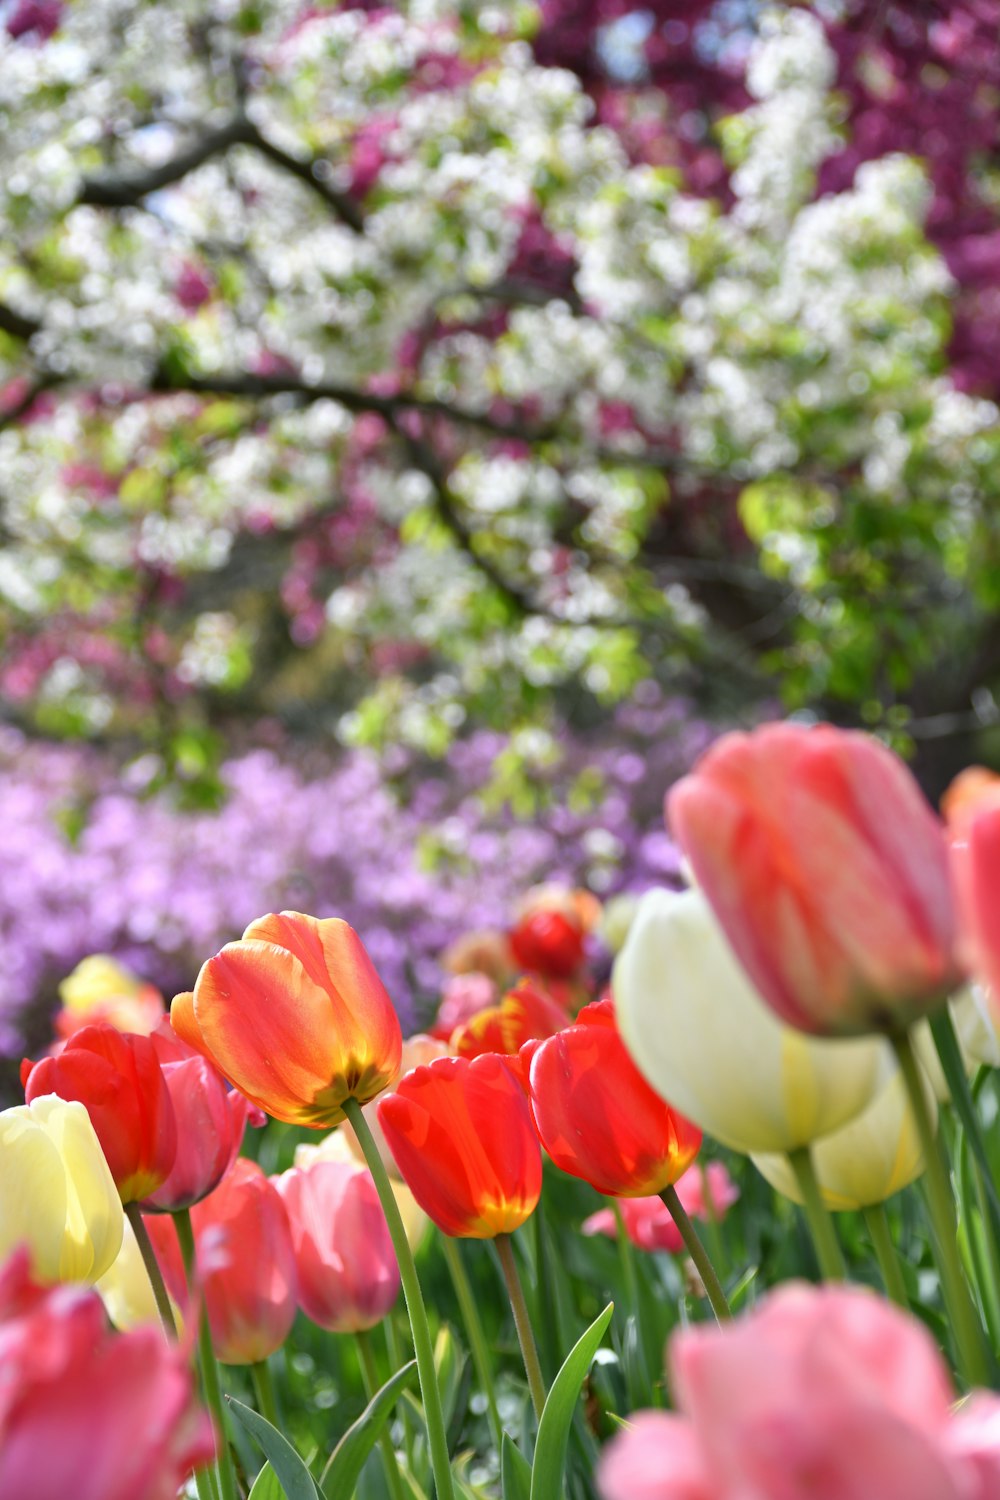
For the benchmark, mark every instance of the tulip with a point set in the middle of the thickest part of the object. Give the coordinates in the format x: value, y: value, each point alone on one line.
x: 705, y: 1040
x: 596, y: 1115
x: 119, y: 1080
x: 828, y: 873
x: 864, y: 1162
x: 972, y: 808
x: 461, y: 1134
x: 417, y: 1050
x: 348, y: 1278
x: 296, y: 1017
x: 88, y: 1413
x: 549, y: 943
x: 704, y: 1193
x: 525, y: 1013
x: 463, y: 996
x: 820, y: 1393
x: 126, y: 1290
x: 245, y: 1261
x: 57, y: 1195
x: 102, y: 990
x: 210, y: 1118
x: 976, y: 1025
x: 341, y: 1146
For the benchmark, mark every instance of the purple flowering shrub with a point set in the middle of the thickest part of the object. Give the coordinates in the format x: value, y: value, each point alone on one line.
x: 410, y: 854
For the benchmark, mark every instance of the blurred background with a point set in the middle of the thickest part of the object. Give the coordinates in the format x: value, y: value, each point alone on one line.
x: 423, y: 426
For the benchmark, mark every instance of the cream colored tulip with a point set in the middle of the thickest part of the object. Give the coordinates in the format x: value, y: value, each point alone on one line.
x: 865, y: 1162
x: 337, y: 1146
x: 57, y: 1194
x: 126, y: 1290
x: 973, y: 1013
x: 707, y: 1043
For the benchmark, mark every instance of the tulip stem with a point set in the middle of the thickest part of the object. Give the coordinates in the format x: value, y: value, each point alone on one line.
x: 474, y: 1329
x: 944, y: 1225
x: 263, y: 1389
x: 422, y: 1347
x: 885, y: 1251
x: 370, y: 1381
x: 395, y: 1354
x: 225, y: 1476
x: 134, y: 1215
x: 522, y: 1322
x: 821, y: 1230
x: 698, y: 1253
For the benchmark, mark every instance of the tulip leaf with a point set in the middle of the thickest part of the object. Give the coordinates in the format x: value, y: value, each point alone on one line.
x: 515, y: 1471
x: 345, y: 1463
x: 295, y: 1479
x: 267, y: 1485
x: 560, y: 1405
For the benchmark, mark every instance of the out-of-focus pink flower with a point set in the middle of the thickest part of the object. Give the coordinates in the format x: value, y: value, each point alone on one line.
x: 348, y: 1278
x: 972, y: 808
x: 86, y: 1412
x: 821, y: 1393
x: 102, y: 990
x: 647, y: 1221
x: 828, y: 872
x: 463, y: 997
x: 211, y: 1119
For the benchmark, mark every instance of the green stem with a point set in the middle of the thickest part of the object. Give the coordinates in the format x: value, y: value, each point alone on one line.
x: 522, y: 1322
x: 396, y: 1362
x: 166, y: 1312
x: 225, y: 1476
x: 888, y: 1258
x: 422, y: 1347
x: 697, y: 1252
x: 824, y: 1236
x: 944, y: 1226
x: 474, y: 1329
x: 370, y: 1380
x: 263, y: 1389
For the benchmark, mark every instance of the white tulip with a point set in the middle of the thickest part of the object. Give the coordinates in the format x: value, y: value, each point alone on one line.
x: 708, y: 1044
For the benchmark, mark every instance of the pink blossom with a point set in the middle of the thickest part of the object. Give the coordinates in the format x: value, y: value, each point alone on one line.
x: 647, y: 1221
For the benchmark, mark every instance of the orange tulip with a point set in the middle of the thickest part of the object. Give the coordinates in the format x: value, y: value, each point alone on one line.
x: 525, y: 1012
x: 462, y: 1137
x: 596, y: 1115
x: 827, y: 871
x: 296, y: 1017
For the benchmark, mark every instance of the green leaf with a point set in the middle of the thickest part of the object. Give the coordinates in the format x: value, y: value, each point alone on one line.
x: 345, y: 1463
x: 515, y: 1471
x: 553, y: 1429
x: 295, y: 1479
x: 266, y: 1486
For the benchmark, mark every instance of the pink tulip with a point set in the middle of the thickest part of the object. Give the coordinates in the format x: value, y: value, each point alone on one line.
x: 828, y: 872
x: 211, y: 1119
x: 86, y: 1412
x: 821, y: 1393
x: 972, y: 808
x: 347, y: 1273
x: 647, y: 1221
x: 245, y: 1262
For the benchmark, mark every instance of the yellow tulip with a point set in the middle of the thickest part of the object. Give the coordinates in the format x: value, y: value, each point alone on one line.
x: 57, y: 1194
x: 705, y: 1040
x: 864, y: 1162
x: 126, y: 1290
x: 101, y: 989
x: 337, y: 1146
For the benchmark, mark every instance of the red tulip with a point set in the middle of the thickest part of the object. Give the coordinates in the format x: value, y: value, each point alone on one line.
x: 210, y: 1118
x: 245, y: 1262
x: 972, y: 808
x: 462, y: 1137
x: 828, y: 872
x: 525, y: 1012
x: 118, y: 1078
x: 296, y: 1017
x: 596, y: 1115
x: 348, y: 1278
x: 85, y: 1412
x: 548, y: 942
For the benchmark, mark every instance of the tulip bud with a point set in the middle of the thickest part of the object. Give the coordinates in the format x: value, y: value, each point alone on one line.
x: 342, y: 1146
x: 705, y: 1040
x: 524, y: 1014
x: 119, y: 1080
x: 57, y: 1195
x: 296, y: 1017
x: 828, y: 873
x: 348, y: 1278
